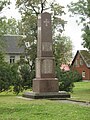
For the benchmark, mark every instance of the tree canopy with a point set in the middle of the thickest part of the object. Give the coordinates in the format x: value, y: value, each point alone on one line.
x: 29, y: 10
x: 82, y: 9
x: 3, y: 4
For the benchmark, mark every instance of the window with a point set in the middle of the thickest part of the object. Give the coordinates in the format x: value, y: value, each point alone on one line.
x: 12, y: 59
x: 83, y: 74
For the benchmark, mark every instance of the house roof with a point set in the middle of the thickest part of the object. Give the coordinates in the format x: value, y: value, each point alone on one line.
x: 65, y: 67
x: 85, y: 56
x: 12, y: 44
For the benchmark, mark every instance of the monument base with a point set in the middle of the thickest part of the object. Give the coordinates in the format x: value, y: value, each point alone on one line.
x: 45, y: 85
x: 47, y: 95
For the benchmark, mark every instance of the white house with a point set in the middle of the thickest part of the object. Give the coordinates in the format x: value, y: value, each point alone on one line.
x: 13, y: 50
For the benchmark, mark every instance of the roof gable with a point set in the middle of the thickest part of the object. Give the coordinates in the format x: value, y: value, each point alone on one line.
x: 85, y: 55
x: 12, y: 44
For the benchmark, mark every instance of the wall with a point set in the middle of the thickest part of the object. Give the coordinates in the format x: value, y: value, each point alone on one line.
x: 7, y: 57
x: 81, y: 68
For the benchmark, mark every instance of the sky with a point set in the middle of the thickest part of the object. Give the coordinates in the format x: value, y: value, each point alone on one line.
x: 71, y: 29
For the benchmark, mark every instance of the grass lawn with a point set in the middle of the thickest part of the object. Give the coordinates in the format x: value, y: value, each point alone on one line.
x: 81, y: 91
x: 14, y: 108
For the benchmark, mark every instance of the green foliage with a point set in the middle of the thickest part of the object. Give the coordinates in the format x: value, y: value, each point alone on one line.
x: 16, y: 79
x: 67, y: 79
x: 4, y: 3
x: 22, y: 77
x: 28, y: 27
x: 5, y: 74
x: 1, y: 57
x: 62, y: 50
x: 82, y: 9
x: 27, y: 76
x: 86, y: 37
x: 5, y: 77
x: 76, y: 77
x: 9, y: 26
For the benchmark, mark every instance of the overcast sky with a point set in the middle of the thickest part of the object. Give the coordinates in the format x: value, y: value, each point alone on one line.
x: 71, y: 29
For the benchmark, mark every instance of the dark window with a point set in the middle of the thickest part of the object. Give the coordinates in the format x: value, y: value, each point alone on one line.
x: 12, y: 59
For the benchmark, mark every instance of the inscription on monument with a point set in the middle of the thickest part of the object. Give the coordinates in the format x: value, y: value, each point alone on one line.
x: 47, y: 66
x: 46, y: 46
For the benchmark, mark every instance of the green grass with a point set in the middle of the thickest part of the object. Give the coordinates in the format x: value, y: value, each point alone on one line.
x: 81, y: 91
x: 14, y: 108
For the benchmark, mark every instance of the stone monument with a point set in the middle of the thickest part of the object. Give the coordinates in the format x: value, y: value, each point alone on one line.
x: 45, y: 85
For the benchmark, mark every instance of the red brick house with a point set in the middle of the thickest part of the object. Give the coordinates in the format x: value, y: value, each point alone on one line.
x: 81, y: 63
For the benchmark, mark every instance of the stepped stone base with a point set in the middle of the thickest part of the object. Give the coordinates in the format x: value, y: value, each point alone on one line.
x: 47, y: 95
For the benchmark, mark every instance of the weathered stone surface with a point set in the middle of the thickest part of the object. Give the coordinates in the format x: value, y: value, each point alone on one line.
x: 45, y: 85
x: 47, y: 95
x: 44, y: 47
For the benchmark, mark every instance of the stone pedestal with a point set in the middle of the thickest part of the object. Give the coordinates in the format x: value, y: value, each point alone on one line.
x: 41, y: 85
x: 47, y: 95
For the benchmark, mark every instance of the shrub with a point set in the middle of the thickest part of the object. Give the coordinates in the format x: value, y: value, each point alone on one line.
x: 76, y: 76
x: 67, y: 79
x: 65, y: 82
x: 27, y: 76
x: 22, y: 77
x: 16, y: 79
x: 5, y: 77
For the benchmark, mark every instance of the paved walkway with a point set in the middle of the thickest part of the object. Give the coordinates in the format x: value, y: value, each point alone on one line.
x: 87, y: 104
x: 82, y: 103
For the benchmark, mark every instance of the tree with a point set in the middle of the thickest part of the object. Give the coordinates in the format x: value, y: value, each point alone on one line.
x: 3, y: 4
x: 62, y: 46
x: 5, y: 77
x: 9, y: 26
x: 27, y: 76
x: 82, y: 9
x: 29, y: 10
x: 62, y: 50
x: 5, y: 74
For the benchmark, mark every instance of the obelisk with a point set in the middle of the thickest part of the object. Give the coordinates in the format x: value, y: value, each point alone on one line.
x: 45, y: 80
x: 45, y: 85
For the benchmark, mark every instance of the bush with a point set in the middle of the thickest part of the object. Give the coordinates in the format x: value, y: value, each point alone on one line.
x: 67, y: 79
x: 76, y: 76
x: 5, y: 77
x: 16, y: 79
x: 27, y: 76
x: 22, y: 77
